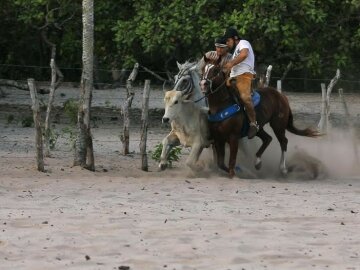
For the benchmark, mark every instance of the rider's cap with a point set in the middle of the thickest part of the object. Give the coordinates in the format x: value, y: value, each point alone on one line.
x: 220, y: 42
x: 231, y: 33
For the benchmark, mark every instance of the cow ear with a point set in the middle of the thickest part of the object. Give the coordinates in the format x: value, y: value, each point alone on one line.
x: 187, y: 97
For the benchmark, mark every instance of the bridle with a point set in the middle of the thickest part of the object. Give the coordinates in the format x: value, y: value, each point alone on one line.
x: 209, y: 81
x: 184, y: 74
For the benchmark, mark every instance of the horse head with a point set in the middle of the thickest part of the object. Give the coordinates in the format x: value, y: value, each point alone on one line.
x: 188, y: 80
x: 213, y: 76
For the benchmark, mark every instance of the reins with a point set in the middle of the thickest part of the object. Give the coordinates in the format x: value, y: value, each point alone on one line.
x: 211, y: 92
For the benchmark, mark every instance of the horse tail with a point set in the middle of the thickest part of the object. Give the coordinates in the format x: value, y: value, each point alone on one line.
x: 307, y: 132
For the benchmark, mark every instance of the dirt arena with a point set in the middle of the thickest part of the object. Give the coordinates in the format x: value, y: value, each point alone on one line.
x: 120, y: 217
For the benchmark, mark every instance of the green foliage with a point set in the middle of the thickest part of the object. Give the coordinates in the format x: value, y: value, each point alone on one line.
x: 174, y: 154
x: 107, y: 103
x: 28, y: 121
x: 316, y: 36
x: 53, y: 137
x: 71, y: 108
x: 9, y: 119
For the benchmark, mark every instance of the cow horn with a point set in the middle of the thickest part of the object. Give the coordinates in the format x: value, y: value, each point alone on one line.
x: 164, y: 85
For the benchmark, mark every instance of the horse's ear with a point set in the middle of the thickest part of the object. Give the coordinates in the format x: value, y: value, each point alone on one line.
x: 206, y: 60
x: 178, y: 65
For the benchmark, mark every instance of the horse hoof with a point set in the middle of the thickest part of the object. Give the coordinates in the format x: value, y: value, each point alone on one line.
x: 231, y: 174
x: 284, y: 172
x: 258, y: 164
x: 224, y: 168
x: 162, y: 166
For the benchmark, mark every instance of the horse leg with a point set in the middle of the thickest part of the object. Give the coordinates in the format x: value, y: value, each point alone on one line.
x: 234, y: 143
x: 220, y: 151
x: 280, y: 135
x: 168, y: 143
x: 214, y: 153
x: 266, y: 140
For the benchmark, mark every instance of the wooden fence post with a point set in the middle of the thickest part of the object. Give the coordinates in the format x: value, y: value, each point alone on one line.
x: 346, y: 110
x: 278, y: 86
x: 323, y: 116
x: 125, y: 137
x: 53, y: 86
x: 324, y: 123
x: 37, y: 124
x: 48, y: 109
x: 268, y: 75
x: 144, y: 125
x: 349, y: 124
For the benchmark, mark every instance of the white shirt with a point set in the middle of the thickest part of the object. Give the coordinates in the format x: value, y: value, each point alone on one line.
x: 247, y: 65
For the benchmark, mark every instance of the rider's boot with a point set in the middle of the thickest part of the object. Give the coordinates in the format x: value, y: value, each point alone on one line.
x: 253, y: 129
x: 250, y: 111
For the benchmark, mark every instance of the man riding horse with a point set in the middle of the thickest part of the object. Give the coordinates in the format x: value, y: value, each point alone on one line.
x: 242, y: 74
x: 221, y: 51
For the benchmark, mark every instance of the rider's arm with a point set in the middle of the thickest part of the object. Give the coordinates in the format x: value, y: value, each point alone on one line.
x: 212, y: 55
x: 238, y: 59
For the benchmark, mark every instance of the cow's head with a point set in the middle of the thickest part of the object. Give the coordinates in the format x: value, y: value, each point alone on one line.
x: 174, y: 104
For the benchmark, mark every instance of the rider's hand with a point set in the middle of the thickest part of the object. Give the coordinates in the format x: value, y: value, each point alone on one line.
x: 212, y: 55
x: 228, y: 66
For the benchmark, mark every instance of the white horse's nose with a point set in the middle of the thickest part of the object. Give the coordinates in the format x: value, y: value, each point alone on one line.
x: 165, y: 120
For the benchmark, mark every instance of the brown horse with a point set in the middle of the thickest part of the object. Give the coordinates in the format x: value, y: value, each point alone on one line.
x: 228, y: 122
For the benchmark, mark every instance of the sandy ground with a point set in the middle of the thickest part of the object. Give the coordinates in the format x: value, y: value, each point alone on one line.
x: 120, y: 217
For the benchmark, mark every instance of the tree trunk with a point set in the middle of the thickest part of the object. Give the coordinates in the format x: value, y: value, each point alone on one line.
x: 84, y: 155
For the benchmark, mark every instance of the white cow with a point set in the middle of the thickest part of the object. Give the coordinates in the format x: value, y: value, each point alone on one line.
x: 189, y: 127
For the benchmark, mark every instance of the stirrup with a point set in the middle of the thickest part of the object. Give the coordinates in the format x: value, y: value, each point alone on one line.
x: 255, y: 124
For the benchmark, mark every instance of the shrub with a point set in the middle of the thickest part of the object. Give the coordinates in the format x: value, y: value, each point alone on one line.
x: 71, y: 108
x: 174, y: 154
x: 27, y: 121
x: 9, y: 119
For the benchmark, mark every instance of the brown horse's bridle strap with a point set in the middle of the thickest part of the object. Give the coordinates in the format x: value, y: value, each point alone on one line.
x: 211, y: 92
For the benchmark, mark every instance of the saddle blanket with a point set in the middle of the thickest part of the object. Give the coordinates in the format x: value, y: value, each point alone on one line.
x: 232, y: 109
